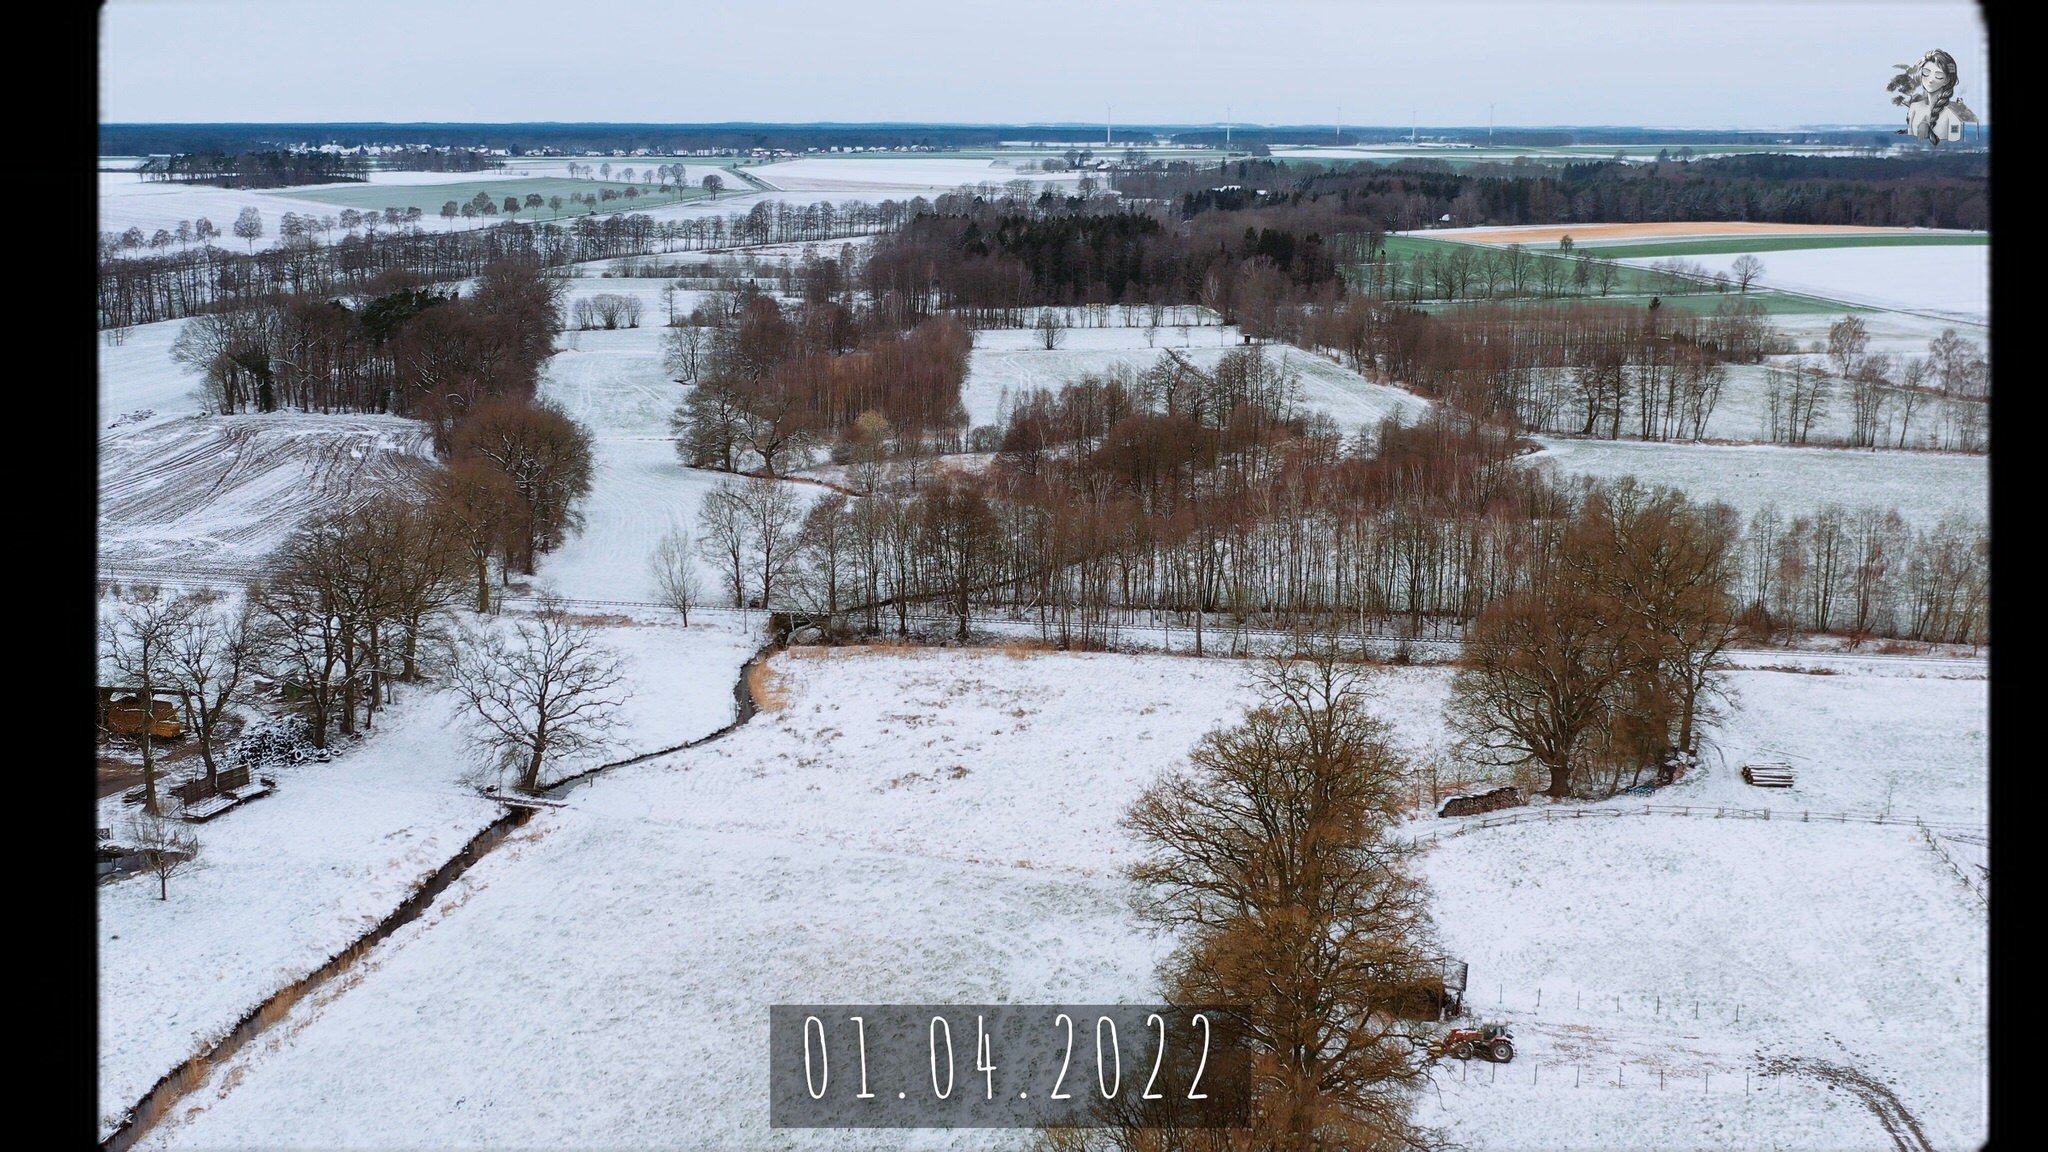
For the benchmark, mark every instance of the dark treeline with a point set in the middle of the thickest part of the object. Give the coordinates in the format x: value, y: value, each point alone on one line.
x: 1947, y: 191
x: 143, y: 289
x: 396, y: 347
x: 256, y: 169
x: 994, y: 263
x: 438, y: 160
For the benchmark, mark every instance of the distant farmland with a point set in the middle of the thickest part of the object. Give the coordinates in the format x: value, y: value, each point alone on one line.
x: 429, y: 198
x: 1731, y: 245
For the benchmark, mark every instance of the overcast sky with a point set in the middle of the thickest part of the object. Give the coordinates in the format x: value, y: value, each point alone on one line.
x: 1685, y: 63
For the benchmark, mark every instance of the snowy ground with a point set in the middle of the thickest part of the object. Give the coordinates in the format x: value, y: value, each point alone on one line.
x: 897, y: 177
x: 1724, y: 942
x: 1009, y: 362
x: 126, y: 200
x: 221, y: 492
x: 286, y: 882
x: 1924, y: 486
x: 1951, y: 281
x: 181, y: 491
x: 292, y: 878
x: 941, y: 825
x: 613, y: 383
x: 1900, y: 334
x: 929, y: 825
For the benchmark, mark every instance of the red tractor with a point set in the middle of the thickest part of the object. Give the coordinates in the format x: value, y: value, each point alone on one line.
x: 1490, y: 1041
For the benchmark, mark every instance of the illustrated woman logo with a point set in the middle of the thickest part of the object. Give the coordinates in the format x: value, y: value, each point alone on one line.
x: 1927, y: 91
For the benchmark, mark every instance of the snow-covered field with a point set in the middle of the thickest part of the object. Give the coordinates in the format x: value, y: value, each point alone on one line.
x: 221, y: 492
x: 1946, y: 280
x: 1923, y: 486
x: 289, y: 880
x: 1897, y: 333
x: 1009, y: 362
x: 613, y: 383
x: 895, y: 177
x: 284, y: 883
x: 1727, y: 943
x: 180, y: 490
x: 942, y: 825
x: 929, y: 825
x: 126, y: 200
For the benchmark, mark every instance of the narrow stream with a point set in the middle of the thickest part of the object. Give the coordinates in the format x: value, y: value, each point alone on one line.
x: 166, y: 1092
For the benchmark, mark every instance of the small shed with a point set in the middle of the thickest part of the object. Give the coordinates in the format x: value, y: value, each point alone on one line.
x: 124, y: 718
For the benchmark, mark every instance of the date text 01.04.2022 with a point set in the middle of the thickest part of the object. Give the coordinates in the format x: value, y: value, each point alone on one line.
x: 1005, y: 1066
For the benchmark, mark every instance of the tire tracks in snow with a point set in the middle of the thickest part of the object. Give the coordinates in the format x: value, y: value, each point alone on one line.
x: 1898, y: 1121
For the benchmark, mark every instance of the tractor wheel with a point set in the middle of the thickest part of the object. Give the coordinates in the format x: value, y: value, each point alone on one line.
x: 1502, y: 1051
x: 1462, y: 1050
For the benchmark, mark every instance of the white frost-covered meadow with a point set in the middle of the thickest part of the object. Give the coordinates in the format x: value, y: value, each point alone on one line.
x: 942, y: 825
x: 1010, y: 362
x: 1949, y: 281
x: 1924, y: 486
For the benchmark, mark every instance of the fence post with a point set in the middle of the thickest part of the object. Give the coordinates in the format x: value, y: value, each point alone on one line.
x: 1706, y: 1078
x: 1660, y: 1079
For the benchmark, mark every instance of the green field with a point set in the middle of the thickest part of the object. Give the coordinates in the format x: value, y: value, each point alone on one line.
x: 1632, y: 285
x: 1774, y: 303
x: 429, y: 197
x: 1728, y: 245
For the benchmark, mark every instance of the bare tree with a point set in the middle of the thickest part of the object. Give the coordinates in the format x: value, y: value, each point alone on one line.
x: 1848, y: 338
x: 546, y: 692
x: 710, y: 425
x: 674, y: 566
x: 959, y: 530
x: 714, y: 184
x: 209, y: 658
x: 547, y: 457
x: 1273, y: 861
x: 683, y: 348
x: 722, y: 539
x: 1745, y: 271
x: 139, y: 632
x: 249, y: 226
x: 1051, y: 328
x: 1539, y: 682
x: 772, y: 514
x: 167, y: 848
x: 478, y: 508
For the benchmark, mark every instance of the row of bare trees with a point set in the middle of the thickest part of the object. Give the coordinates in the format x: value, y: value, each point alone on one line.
x: 606, y: 310
x: 1175, y: 494
x: 141, y: 282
